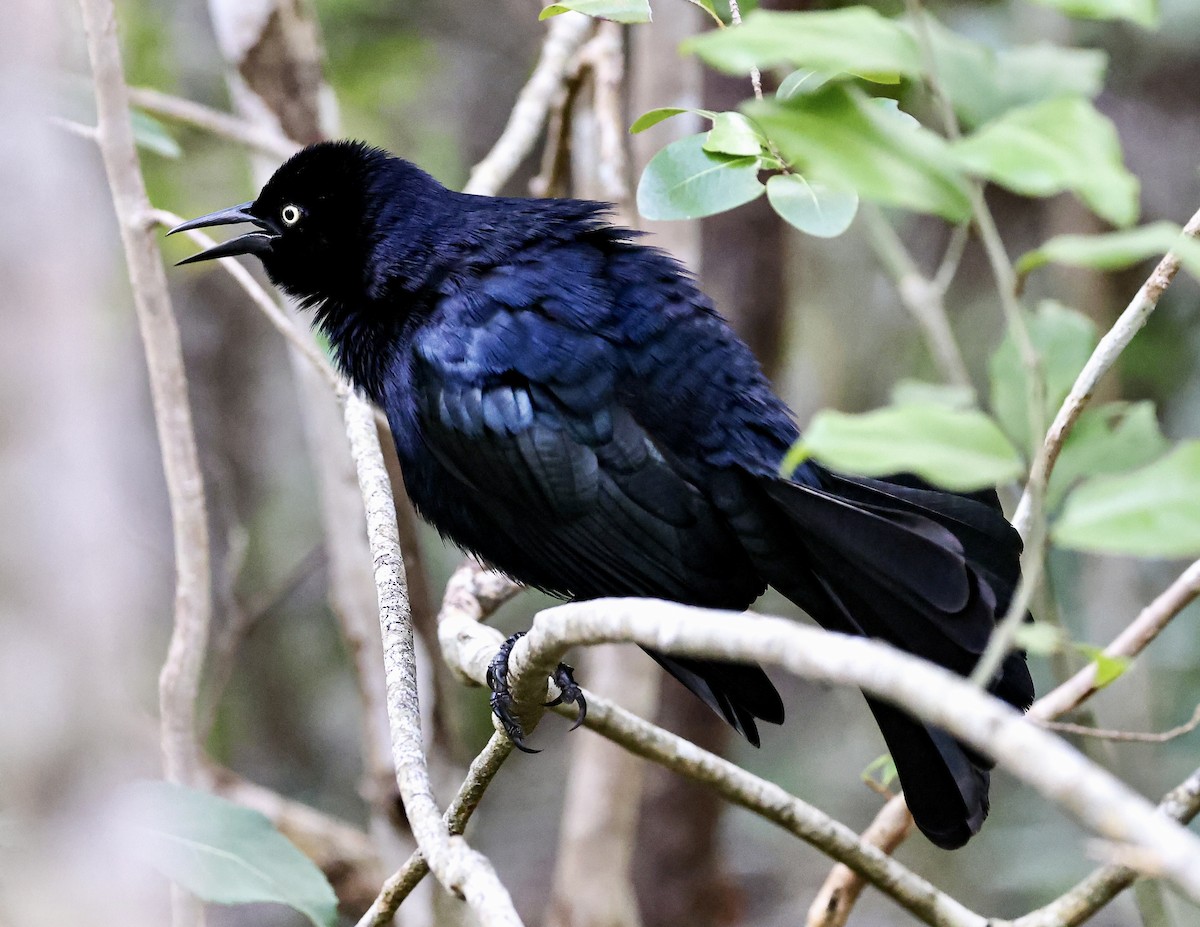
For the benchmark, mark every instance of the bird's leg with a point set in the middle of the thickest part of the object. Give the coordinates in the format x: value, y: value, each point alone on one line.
x: 502, y: 699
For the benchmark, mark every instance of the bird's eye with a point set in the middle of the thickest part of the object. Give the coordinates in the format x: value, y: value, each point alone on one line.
x: 290, y: 214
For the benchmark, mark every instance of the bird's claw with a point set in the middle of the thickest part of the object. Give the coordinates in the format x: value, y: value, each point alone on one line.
x: 568, y: 692
x: 503, y: 705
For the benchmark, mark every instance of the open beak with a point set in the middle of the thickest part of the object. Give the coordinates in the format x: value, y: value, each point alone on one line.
x: 250, y: 243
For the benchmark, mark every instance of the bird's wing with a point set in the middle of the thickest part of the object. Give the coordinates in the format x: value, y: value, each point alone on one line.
x: 558, y: 483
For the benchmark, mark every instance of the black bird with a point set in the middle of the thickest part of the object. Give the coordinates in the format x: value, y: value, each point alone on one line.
x: 568, y: 406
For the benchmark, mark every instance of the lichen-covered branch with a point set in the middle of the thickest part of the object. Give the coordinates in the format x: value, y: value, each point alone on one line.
x: 416, y: 867
x: 1063, y: 775
x: 460, y: 869
x: 1105, y: 883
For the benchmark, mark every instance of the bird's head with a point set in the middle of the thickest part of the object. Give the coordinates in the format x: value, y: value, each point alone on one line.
x: 315, y: 219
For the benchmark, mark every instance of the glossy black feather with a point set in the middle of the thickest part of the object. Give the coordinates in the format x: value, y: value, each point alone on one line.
x: 568, y: 405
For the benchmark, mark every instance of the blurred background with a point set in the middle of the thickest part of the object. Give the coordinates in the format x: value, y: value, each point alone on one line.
x: 86, y: 563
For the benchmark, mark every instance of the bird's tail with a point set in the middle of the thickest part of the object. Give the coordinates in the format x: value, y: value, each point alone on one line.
x: 927, y: 571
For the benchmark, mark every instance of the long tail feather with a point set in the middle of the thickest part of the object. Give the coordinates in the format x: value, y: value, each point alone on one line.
x: 929, y: 572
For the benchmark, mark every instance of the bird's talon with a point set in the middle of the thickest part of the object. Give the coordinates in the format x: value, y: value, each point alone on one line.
x: 502, y: 700
x: 569, y: 692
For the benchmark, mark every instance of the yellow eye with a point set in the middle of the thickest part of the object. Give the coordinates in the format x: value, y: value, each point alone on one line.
x: 290, y: 214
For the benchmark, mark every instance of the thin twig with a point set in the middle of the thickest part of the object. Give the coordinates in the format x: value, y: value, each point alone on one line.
x: 213, y: 121
x: 528, y: 115
x: 416, y: 867
x: 735, y: 15
x: 240, y: 622
x: 460, y: 869
x: 91, y: 133
x: 840, y: 890
x: 1033, y: 533
x: 1114, y: 342
x: 1137, y: 737
x: 924, y: 298
x: 1149, y: 623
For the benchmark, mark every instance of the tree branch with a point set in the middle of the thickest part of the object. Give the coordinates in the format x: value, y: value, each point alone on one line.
x: 460, y: 869
x: 401, y: 884
x: 893, y: 821
x: 922, y: 296
x: 563, y: 38
x: 213, y: 121
x: 468, y: 647
x: 1104, y: 884
x: 1089, y: 793
x: 1139, y: 737
x: 180, y: 679
x: 1114, y: 342
x: 1129, y: 643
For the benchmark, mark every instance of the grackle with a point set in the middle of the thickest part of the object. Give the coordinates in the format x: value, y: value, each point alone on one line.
x: 568, y: 406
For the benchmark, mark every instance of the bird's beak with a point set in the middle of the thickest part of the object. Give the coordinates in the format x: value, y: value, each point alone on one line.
x: 250, y: 243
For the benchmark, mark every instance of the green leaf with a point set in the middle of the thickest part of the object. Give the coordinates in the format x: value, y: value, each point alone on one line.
x: 961, y: 450
x: 224, y: 853
x: 1064, y: 338
x: 812, y: 207
x: 1116, y: 437
x: 1142, y: 12
x: 1108, y: 669
x: 983, y: 84
x: 1151, y: 512
x: 683, y: 181
x: 882, y: 770
x: 733, y: 134
x: 1039, y: 637
x: 801, y: 82
x: 152, y: 135
x: 796, y: 455
x: 708, y: 8
x: 655, y: 116
x: 1115, y: 250
x: 1051, y: 147
x: 920, y: 393
x: 841, y: 138
x: 619, y: 11
x: 856, y: 40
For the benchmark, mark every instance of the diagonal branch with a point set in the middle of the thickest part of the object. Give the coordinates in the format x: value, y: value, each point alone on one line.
x: 1091, y: 794
x: 1114, y: 342
x: 214, y: 121
x: 563, y: 38
x: 407, y: 877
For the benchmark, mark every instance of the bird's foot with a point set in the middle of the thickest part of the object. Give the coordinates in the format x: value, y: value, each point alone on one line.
x: 569, y: 692
x: 503, y: 704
